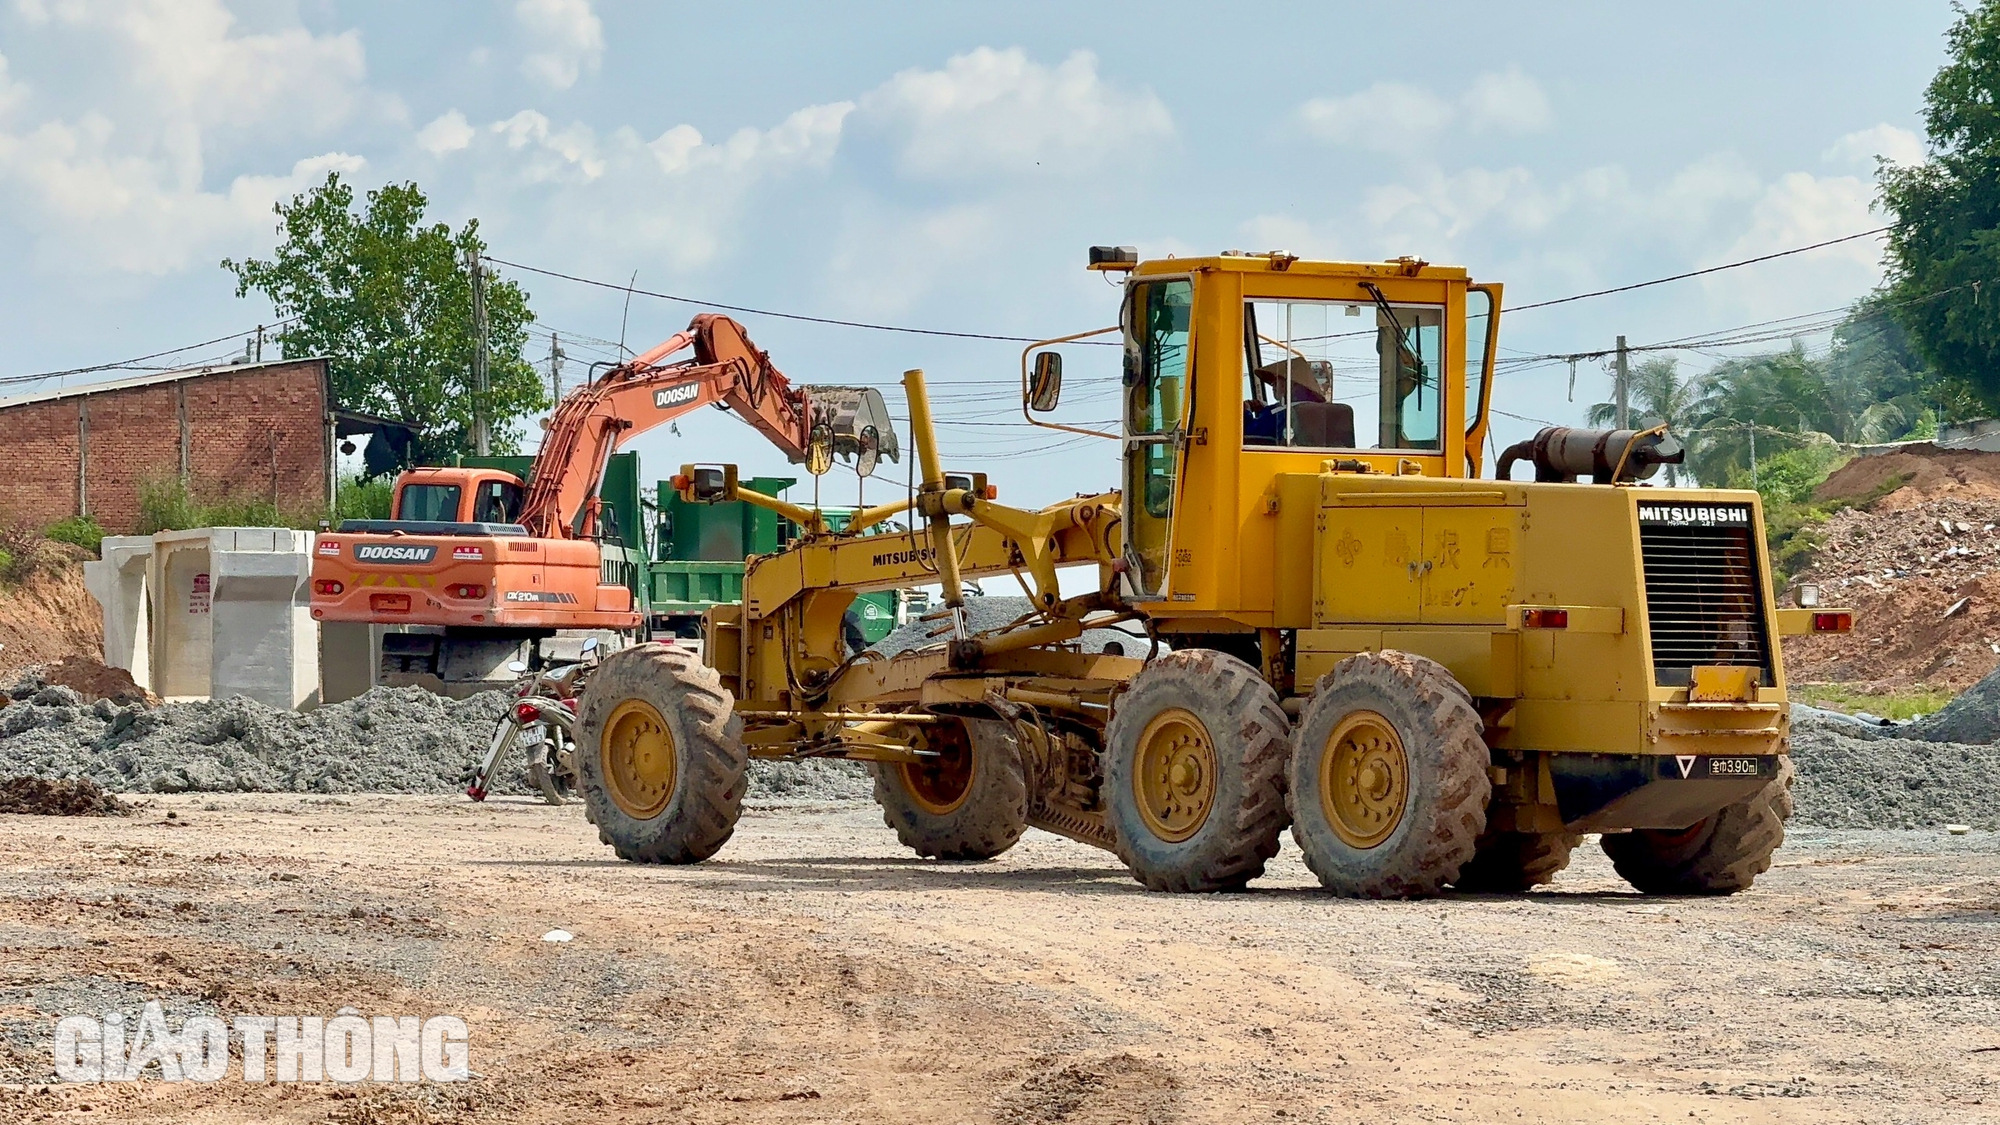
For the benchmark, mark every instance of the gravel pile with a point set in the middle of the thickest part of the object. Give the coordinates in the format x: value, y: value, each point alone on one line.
x: 391, y: 740
x: 1941, y: 541
x: 1942, y: 769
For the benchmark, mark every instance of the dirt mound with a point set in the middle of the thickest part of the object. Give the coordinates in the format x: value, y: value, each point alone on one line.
x: 50, y: 616
x: 1921, y: 474
x: 88, y: 676
x: 39, y: 796
x: 1900, y: 570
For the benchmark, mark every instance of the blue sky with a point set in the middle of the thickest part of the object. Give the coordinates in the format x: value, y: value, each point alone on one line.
x: 946, y: 165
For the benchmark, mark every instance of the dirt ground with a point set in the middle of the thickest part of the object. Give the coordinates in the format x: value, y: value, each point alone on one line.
x: 815, y: 972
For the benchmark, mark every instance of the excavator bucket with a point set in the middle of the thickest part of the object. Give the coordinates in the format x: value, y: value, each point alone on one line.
x: 850, y: 423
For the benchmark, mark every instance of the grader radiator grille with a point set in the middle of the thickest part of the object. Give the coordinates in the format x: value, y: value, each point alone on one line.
x: 1704, y: 589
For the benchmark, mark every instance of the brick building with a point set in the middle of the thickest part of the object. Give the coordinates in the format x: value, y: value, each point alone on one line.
x: 259, y: 430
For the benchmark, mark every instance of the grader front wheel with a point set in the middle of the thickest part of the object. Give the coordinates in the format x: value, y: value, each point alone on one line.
x: 1388, y: 777
x: 970, y: 801
x: 1194, y: 773
x: 659, y: 756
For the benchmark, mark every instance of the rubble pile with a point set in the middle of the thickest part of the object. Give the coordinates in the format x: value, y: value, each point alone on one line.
x: 1920, y: 567
x: 390, y: 740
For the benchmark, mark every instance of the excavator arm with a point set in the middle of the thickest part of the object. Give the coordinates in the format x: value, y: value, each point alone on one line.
x: 810, y: 425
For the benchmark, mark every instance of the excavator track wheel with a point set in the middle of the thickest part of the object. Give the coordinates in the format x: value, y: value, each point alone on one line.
x: 659, y: 756
x: 1388, y: 784
x: 1194, y: 772
x: 970, y: 802
x: 1718, y: 856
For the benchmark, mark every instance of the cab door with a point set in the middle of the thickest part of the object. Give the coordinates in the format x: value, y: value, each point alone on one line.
x: 1157, y: 369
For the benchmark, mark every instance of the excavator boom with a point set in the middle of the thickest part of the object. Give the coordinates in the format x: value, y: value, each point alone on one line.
x: 648, y: 391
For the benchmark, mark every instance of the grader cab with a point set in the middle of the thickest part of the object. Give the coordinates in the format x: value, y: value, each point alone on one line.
x: 1435, y: 680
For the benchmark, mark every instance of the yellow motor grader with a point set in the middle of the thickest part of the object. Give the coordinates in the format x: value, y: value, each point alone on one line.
x: 1435, y: 680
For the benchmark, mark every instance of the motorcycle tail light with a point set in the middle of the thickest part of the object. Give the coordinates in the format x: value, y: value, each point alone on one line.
x: 527, y: 712
x: 571, y: 704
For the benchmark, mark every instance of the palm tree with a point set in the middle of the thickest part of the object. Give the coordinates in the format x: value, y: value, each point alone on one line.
x: 1659, y: 394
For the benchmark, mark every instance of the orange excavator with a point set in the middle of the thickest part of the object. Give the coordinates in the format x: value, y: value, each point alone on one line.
x: 475, y: 567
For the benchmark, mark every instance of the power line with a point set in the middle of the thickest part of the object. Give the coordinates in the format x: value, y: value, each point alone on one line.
x: 1700, y: 272
x: 136, y: 360
x: 905, y: 329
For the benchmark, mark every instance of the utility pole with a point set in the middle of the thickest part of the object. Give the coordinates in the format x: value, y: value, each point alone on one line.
x: 480, y: 444
x: 556, y: 356
x: 1624, y: 391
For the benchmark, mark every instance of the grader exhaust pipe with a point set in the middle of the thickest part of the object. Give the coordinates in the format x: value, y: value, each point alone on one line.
x: 1561, y: 454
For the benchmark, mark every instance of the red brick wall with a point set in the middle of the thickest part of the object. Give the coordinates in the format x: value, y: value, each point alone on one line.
x: 257, y: 432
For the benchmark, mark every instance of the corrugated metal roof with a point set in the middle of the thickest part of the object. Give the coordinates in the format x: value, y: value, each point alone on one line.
x: 148, y: 379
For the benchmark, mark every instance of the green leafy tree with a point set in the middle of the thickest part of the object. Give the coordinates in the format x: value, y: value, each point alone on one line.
x: 388, y: 299
x: 1944, y: 246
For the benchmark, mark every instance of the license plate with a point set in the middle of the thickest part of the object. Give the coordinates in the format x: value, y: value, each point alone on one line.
x: 1733, y: 767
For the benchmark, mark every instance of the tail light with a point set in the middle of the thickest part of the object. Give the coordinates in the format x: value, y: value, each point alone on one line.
x: 327, y: 587
x: 1545, y: 619
x: 571, y: 704
x: 1832, y: 622
x: 389, y: 603
x: 468, y: 590
x: 527, y: 712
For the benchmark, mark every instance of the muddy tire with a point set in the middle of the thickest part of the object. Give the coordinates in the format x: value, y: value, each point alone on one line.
x: 971, y: 804
x: 1194, y: 772
x: 659, y: 756
x: 1509, y: 862
x: 1719, y: 856
x: 1388, y: 784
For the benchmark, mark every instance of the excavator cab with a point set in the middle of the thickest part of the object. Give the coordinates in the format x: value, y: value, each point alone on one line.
x: 458, y: 495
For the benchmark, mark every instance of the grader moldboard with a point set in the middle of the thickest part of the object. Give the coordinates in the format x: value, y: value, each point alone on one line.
x: 1435, y: 680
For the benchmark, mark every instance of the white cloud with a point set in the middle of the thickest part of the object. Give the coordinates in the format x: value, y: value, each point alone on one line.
x: 1391, y: 116
x: 1861, y: 148
x: 448, y: 133
x: 1398, y: 117
x: 118, y: 183
x: 672, y: 199
x: 991, y: 111
x: 569, y: 36
x: 1507, y: 100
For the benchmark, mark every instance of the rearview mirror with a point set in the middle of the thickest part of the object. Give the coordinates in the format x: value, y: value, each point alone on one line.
x: 590, y: 645
x: 516, y: 667
x: 1045, y: 388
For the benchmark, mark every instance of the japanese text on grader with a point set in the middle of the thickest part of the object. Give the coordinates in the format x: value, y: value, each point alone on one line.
x: 1435, y: 679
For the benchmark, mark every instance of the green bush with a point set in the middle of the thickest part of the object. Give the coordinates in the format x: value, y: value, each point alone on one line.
x: 81, y: 531
x: 1790, y: 477
x: 363, y: 499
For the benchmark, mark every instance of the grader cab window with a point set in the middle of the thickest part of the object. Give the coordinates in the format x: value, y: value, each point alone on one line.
x: 1157, y: 323
x: 1342, y: 375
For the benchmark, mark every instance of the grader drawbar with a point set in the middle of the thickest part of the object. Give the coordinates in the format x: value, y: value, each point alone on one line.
x: 1435, y: 680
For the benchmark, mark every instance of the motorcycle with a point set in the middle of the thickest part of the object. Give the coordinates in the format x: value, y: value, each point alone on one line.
x: 542, y: 720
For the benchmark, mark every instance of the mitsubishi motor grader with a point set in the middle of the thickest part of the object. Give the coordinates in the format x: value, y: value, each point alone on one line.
x: 1434, y: 679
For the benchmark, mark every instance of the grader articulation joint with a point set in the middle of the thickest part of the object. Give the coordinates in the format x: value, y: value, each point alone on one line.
x: 1435, y: 680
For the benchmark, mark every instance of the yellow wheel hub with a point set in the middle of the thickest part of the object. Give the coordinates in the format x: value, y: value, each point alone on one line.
x: 1364, y: 779
x: 1174, y: 776
x: 939, y: 785
x: 638, y: 757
